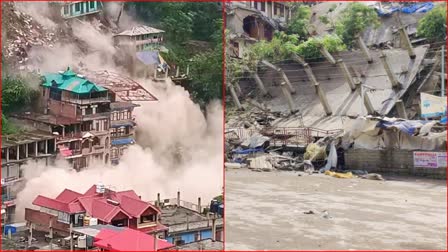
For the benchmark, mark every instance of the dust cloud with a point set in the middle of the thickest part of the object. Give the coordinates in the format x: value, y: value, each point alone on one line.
x: 179, y: 147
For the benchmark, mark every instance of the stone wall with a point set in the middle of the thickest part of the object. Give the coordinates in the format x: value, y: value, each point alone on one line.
x: 397, y: 162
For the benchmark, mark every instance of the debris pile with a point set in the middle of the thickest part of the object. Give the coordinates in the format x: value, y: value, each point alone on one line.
x: 22, y: 33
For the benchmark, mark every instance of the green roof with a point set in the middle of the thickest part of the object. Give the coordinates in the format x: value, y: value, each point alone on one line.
x: 70, y: 81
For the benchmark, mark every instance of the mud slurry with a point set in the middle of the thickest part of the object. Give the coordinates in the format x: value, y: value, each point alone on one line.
x: 267, y: 211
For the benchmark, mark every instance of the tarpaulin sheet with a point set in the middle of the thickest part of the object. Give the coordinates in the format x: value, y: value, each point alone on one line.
x: 248, y: 151
x: 418, y: 8
x: 148, y: 57
x: 123, y: 141
x: 408, y: 126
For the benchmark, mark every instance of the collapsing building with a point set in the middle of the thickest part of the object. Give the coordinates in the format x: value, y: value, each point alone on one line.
x: 323, y: 96
x: 141, y: 45
x: 90, y: 121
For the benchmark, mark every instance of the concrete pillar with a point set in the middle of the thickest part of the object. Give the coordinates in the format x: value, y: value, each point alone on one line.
x: 288, y: 97
x: 323, y: 99
x: 285, y: 78
x: 237, y: 87
x: 327, y: 55
x: 405, y: 38
x: 235, y: 96
x: 18, y: 152
x: 178, y: 198
x: 158, y: 199
x: 93, y: 109
x: 71, y: 236
x: 199, y: 205
x: 36, y: 147
x: 31, y: 235
x: 366, y: 100
x: 260, y: 84
x: 46, y: 146
x: 26, y: 150
x: 310, y: 74
x: 401, y: 109
x: 297, y: 58
x: 7, y: 155
x: 364, y: 49
x: 347, y: 74
x: 177, y: 71
x: 54, y: 148
x: 188, y: 69
x: 390, y: 74
x: 214, y: 229
x: 63, y: 131
x: 155, y: 241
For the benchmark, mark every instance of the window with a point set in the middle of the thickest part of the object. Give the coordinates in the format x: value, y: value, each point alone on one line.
x: 178, y: 241
x: 197, y: 236
x: 148, y: 218
x: 66, y: 10
x: 263, y: 6
x: 77, y: 7
x: 92, y: 4
x: 282, y: 11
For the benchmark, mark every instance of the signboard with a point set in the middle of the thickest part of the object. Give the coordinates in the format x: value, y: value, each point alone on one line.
x: 429, y: 159
x: 432, y: 106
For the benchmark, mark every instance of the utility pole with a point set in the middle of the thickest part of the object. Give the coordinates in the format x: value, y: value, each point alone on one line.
x: 442, y: 92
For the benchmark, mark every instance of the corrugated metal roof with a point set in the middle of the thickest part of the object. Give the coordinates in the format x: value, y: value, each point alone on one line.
x: 140, y: 30
x: 70, y: 81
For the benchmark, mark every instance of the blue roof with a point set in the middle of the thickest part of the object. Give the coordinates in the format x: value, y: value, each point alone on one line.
x: 148, y: 57
x: 123, y: 141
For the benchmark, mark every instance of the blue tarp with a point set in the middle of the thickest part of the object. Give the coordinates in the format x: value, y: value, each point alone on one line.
x: 418, y: 8
x: 248, y: 151
x: 408, y: 126
x: 443, y: 120
x: 414, y: 8
x: 148, y: 57
x: 386, y: 12
x: 123, y: 141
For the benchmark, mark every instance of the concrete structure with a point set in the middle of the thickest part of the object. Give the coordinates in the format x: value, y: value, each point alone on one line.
x: 186, y: 225
x: 250, y: 21
x: 140, y: 47
x: 90, y: 121
x: 77, y: 9
x: 397, y: 162
x: 18, y: 150
x: 202, y: 245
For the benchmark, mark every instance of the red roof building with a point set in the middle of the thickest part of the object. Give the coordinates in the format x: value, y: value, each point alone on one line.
x: 128, y: 240
x: 103, y: 206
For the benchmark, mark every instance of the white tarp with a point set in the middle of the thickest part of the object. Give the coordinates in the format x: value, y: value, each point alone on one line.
x: 432, y: 106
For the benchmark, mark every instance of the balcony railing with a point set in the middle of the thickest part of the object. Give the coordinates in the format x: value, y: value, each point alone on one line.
x: 146, y: 224
x: 86, y: 101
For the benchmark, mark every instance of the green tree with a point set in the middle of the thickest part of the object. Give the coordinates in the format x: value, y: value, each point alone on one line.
x: 354, y: 20
x: 300, y: 21
x: 16, y: 94
x: 431, y: 26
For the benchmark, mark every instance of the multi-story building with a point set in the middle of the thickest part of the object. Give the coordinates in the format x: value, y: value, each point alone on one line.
x: 90, y: 121
x: 76, y: 9
x: 122, y: 128
x: 17, y: 150
x: 98, y: 205
x: 250, y: 21
x: 141, y: 46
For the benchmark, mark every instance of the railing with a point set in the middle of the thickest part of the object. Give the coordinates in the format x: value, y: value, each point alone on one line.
x: 181, y: 227
x: 285, y: 135
x: 146, y: 225
x: 86, y: 101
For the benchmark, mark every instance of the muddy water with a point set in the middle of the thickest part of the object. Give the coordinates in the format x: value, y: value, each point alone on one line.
x: 266, y: 211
